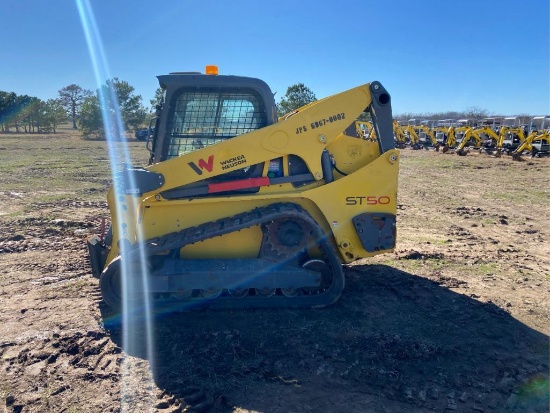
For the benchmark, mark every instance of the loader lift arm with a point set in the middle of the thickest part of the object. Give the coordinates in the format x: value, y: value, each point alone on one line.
x: 308, y: 132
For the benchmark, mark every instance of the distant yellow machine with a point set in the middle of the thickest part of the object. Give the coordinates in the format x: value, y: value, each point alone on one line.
x: 470, y: 135
x: 241, y: 209
x: 537, y: 143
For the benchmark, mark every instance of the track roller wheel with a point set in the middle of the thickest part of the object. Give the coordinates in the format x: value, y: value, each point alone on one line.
x: 182, y: 295
x: 265, y: 292
x: 291, y: 292
x: 238, y: 292
x: 211, y: 294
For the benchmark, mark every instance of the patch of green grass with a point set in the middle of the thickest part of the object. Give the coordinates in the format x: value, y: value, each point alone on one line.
x: 519, y: 195
x: 52, y: 168
x: 418, y: 266
x: 487, y: 268
x: 478, y: 269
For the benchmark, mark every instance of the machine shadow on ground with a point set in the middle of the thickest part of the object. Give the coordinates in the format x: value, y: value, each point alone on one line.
x: 393, y: 337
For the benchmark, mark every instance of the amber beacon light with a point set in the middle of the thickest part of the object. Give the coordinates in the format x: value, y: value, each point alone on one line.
x: 211, y: 70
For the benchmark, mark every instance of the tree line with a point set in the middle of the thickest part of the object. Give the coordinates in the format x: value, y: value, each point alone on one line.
x: 473, y: 113
x: 87, y: 110
x: 84, y: 108
x: 24, y: 113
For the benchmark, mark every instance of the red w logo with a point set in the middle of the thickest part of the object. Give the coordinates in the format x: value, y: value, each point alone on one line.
x: 203, y: 165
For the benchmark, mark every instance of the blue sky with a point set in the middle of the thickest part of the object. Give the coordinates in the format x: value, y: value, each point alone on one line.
x: 432, y: 56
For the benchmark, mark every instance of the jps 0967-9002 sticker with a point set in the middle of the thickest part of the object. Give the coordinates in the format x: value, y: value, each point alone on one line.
x: 321, y: 122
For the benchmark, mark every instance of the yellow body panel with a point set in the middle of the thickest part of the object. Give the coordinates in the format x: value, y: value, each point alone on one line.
x: 241, y: 244
x: 373, y: 188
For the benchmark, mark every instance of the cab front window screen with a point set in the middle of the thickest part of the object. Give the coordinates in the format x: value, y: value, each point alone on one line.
x: 203, y: 118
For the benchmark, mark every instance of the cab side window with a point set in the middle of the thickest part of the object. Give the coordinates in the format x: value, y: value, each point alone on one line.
x: 205, y: 118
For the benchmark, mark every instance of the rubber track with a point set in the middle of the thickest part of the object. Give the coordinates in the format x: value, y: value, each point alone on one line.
x: 257, y: 216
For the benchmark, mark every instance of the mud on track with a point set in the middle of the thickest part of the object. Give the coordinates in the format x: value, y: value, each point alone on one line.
x: 455, y: 320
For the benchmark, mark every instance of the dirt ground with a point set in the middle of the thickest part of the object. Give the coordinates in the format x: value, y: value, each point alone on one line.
x: 455, y: 320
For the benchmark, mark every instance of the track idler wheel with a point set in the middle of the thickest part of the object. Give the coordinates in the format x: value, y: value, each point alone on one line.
x: 110, y: 284
x: 326, y: 274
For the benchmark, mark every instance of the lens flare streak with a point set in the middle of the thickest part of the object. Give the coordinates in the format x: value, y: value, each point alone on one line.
x: 135, y: 272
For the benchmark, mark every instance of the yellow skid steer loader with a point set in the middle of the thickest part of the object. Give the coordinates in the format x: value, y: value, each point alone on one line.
x: 240, y: 209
